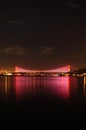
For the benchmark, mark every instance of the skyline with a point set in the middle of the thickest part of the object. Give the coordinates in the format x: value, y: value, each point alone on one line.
x: 43, y: 36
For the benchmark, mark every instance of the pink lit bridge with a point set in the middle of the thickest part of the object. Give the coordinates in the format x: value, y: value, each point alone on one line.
x: 64, y: 69
x: 54, y: 72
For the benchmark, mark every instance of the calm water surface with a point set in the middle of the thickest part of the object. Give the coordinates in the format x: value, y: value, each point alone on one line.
x: 24, y: 99
x: 18, y: 88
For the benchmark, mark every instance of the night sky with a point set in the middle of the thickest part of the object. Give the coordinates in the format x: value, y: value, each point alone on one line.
x: 43, y: 35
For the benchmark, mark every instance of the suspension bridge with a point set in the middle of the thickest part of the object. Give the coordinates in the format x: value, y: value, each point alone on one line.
x: 17, y: 70
x: 63, y: 69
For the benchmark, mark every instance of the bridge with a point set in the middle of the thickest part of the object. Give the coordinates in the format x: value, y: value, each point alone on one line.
x: 19, y: 71
x: 64, y: 69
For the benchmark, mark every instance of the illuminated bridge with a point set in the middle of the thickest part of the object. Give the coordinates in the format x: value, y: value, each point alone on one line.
x: 62, y: 70
x: 22, y: 71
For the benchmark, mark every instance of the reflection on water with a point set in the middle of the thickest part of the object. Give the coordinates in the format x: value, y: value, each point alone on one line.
x: 84, y: 85
x: 58, y: 87
x: 20, y: 89
x: 6, y: 87
x: 25, y: 86
x: 61, y: 87
x: 21, y: 86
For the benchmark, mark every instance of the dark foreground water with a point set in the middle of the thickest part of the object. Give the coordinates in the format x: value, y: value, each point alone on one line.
x: 43, y: 102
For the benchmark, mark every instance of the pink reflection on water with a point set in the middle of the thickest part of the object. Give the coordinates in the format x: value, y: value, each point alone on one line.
x: 64, y: 87
x: 25, y: 86
x: 61, y: 87
x: 63, y: 84
x: 20, y: 86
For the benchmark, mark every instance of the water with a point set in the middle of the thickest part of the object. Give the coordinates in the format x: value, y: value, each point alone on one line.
x: 24, y: 100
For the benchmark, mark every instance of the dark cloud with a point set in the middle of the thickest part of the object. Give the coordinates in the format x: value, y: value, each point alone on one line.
x: 14, y: 49
x: 73, y: 5
x: 17, y: 23
x: 47, y: 50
